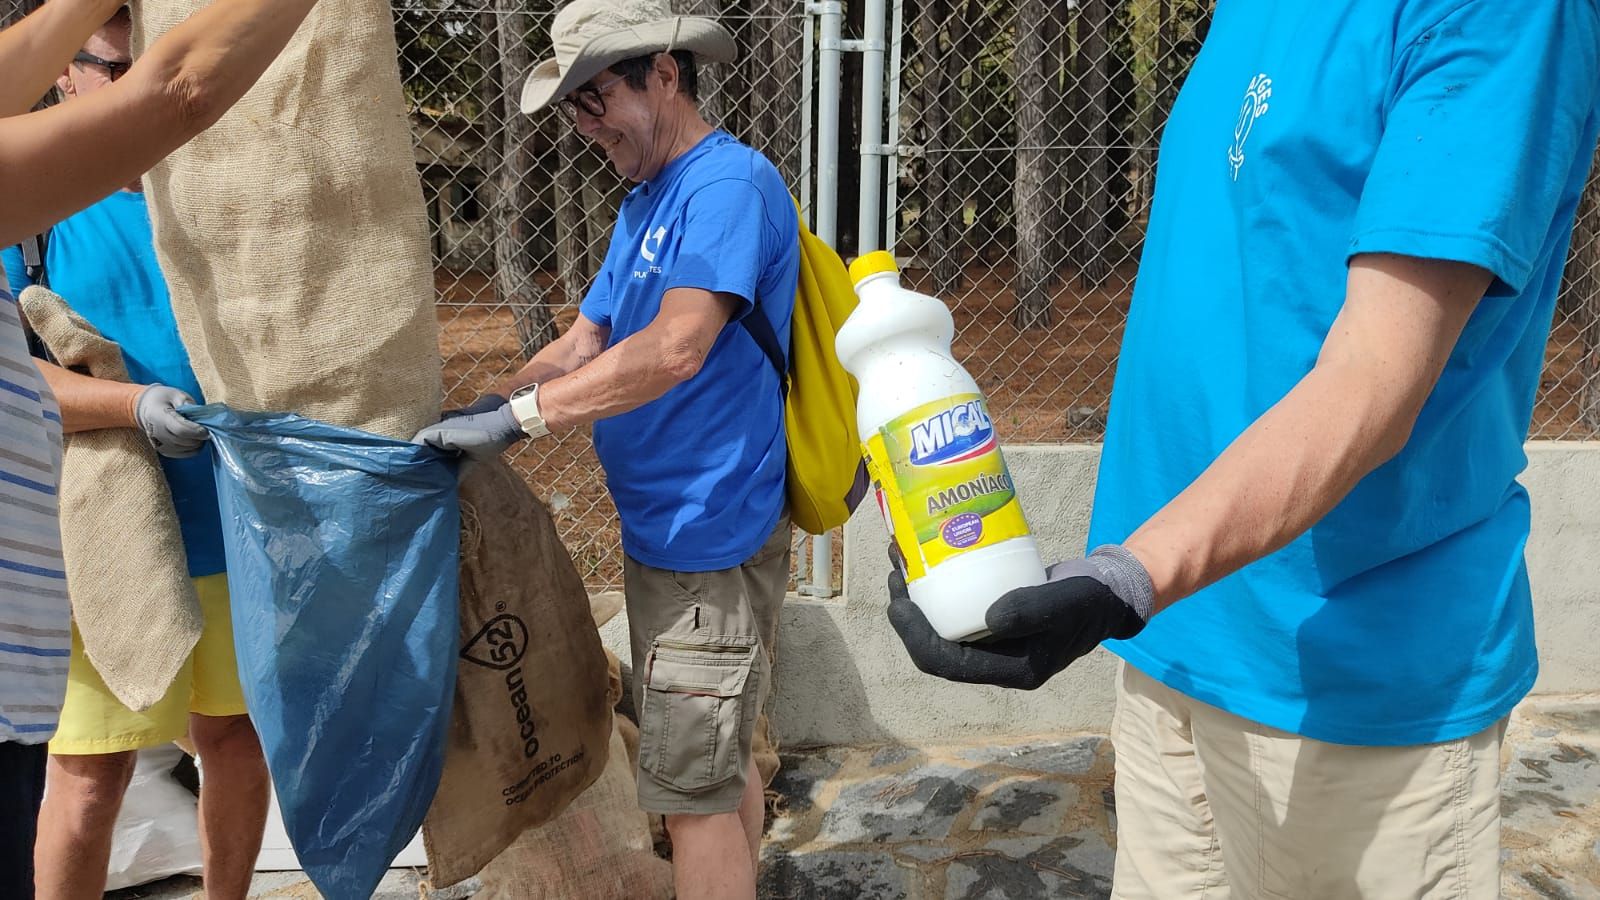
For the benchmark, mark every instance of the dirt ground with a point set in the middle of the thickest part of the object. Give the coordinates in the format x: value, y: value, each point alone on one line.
x: 1044, y: 386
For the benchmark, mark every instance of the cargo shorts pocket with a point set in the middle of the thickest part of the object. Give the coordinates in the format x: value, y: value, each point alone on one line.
x: 689, y: 726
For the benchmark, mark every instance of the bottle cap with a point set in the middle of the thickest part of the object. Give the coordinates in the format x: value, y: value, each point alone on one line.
x: 875, y: 263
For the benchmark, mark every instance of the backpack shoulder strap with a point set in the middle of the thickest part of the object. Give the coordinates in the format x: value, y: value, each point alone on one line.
x: 766, y: 338
x: 33, y: 267
x: 33, y: 264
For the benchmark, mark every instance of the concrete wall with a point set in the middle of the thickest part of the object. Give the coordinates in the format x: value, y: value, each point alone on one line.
x: 843, y: 677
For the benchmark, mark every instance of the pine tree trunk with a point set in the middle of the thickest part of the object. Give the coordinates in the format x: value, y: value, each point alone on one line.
x: 1057, y: 29
x: 514, y: 234
x: 941, y: 210
x: 600, y: 199
x: 1163, y: 88
x: 1030, y: 200
x: 1092, y: 228
x: 712, y: 77
x: 1166, y: 67
x: 775, y: 75
x: 849, y: 144
x: 572, y: 217
x: 966, y: 187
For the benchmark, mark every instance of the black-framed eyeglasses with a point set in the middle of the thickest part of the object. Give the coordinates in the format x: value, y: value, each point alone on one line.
x: 590, y: 99
x: 114, y: 69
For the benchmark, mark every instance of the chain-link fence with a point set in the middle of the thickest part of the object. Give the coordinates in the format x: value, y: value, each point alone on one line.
x: 1030, y: 130
x: 1024, y: 134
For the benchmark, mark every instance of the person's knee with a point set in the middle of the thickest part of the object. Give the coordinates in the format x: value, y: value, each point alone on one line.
x: 226, y: 738
x: 689, y: 826
x: 92, y: 781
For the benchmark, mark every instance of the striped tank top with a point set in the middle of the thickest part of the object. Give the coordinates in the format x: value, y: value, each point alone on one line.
x: 35, y: 636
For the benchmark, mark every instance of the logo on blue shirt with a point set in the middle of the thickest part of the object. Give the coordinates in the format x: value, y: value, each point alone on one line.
x: 651, y: 245
x: 649, y: 249
x: 961, y: 433
x: 1255, y: 106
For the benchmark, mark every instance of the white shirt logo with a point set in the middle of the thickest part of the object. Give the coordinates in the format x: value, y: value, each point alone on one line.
x: 1255, y: 106
x: 651, y: 245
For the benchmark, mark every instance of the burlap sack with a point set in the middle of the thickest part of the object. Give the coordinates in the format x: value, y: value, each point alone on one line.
x: 599, y: 849
x: 293, y: 233
x: 764, y: 750
x: 531, y: 719
x: 127, y: 576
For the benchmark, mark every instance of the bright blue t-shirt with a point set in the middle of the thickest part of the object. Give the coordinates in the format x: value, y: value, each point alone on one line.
x: 698, y: 474
x: 1308, y: 133
x: 102, y: 261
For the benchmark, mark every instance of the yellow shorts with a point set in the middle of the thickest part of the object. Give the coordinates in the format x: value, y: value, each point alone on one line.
x: 93, y: 721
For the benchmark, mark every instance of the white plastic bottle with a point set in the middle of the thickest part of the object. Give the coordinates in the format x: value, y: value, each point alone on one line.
x: 942, y: 484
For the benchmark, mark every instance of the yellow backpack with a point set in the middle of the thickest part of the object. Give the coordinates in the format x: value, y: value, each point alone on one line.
x: 827, y: 475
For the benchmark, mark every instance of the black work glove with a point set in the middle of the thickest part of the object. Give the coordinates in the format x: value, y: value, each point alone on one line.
x: 1034, y: 632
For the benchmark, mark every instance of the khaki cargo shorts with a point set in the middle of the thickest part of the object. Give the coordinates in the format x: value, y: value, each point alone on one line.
x: 702, y: 645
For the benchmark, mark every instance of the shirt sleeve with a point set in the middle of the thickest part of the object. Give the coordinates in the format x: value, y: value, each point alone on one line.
x: 596, y: 305
x: 16, y: 276
x: 724, y: 242
x: 1489, y: 123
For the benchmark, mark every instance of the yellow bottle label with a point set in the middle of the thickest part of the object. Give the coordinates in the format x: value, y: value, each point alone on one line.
x: 942, y: 483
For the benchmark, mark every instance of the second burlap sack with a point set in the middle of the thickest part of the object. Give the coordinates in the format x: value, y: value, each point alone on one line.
x: 127, y: 575
x: 599, y: 849
x: 532, y: 723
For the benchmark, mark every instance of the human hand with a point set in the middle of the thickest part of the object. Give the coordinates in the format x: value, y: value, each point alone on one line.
x: 482, y: 430
x: 156, y: 413
x: 1034, y: 631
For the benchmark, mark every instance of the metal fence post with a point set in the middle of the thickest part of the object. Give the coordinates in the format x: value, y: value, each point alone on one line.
x: 873, y: 150
x: 892, y: 151
x: 817, y: 577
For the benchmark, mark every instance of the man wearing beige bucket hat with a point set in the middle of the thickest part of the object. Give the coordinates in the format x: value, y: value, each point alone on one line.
x: 675, y: 360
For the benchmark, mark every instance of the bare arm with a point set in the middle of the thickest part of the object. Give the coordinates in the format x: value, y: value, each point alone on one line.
x: 34, y: 51
x: 576, y: 347
x: 1351, y: 413
x: 642, y: 367
x: 89, y: 403
x: 59, y: 160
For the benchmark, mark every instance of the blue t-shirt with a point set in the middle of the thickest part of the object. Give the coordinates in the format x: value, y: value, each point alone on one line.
x: 102, y: 261
x: 1308, y: 133
x: 698, y: 474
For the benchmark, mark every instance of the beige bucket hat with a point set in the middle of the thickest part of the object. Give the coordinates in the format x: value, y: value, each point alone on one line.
x: 590, y: 35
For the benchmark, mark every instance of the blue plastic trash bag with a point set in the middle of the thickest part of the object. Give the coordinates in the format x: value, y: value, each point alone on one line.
x: 342, y: 550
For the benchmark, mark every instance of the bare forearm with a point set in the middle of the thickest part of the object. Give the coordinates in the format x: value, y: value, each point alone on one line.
x: 565, y: 354
x: 90, y: 403
x: 59, y: 160
x: 1277, y: 479
x: 623, y: 378
x: 605, y: 382
x: 1352, y: 412
x: 34, y: 51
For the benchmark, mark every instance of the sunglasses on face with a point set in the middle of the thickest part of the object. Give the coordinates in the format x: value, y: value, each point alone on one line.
x: 588, y: 98
x: 114, y: 69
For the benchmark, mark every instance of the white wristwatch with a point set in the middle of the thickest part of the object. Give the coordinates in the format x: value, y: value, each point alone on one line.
x: 525, y: 407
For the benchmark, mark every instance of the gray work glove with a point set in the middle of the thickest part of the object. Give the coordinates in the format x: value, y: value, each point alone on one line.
x: 156, y: 412
x: 1034, y: 631
x: 482, y: 430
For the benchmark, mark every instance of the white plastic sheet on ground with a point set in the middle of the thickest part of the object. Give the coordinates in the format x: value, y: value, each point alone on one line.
x: 157, y: 834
